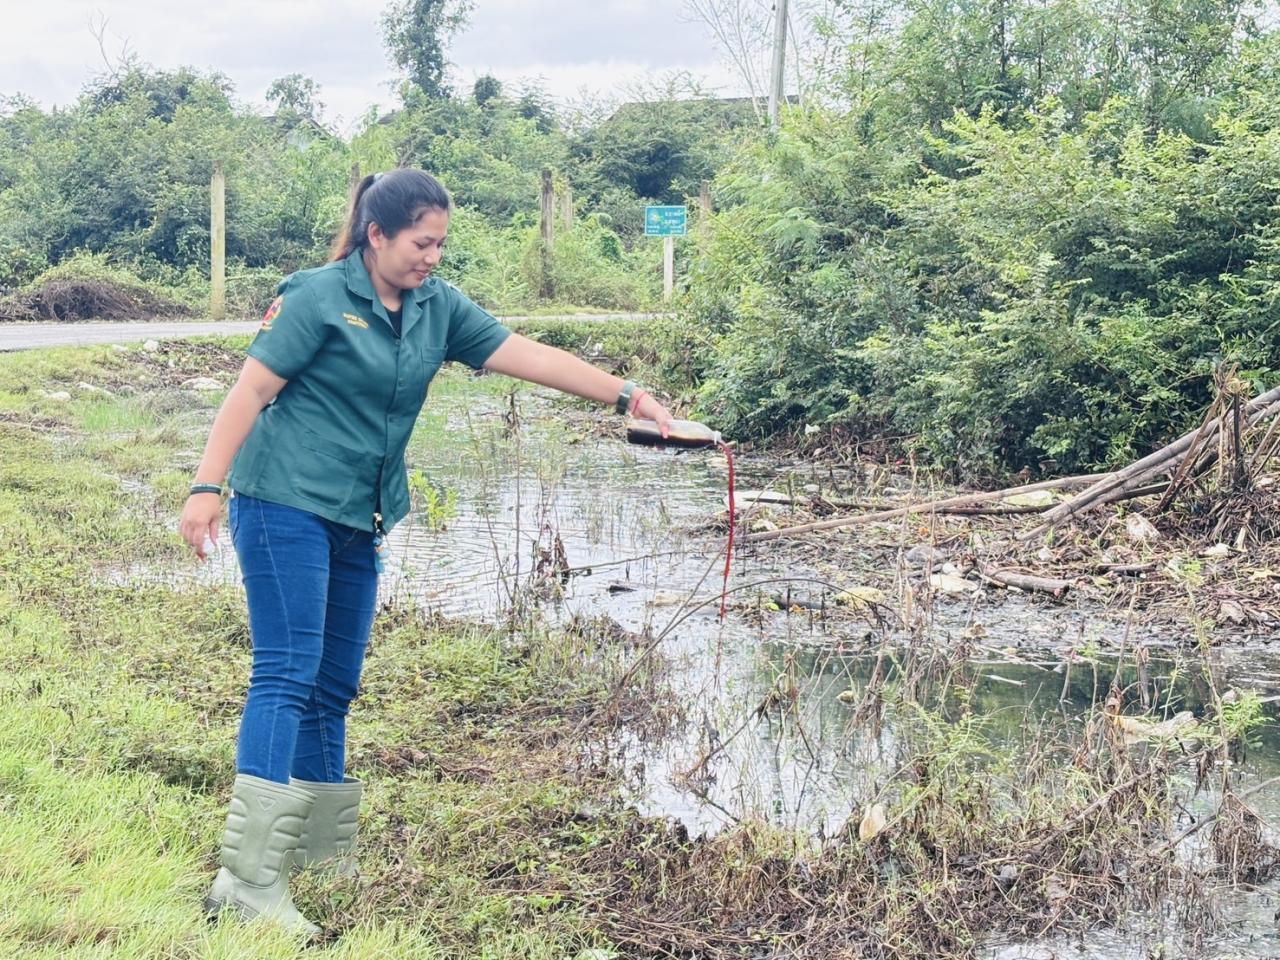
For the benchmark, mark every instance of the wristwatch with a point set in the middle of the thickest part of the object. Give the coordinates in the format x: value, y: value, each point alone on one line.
x: 624, y: 397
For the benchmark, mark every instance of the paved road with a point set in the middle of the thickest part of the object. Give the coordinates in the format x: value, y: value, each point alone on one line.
x: 27, y: 336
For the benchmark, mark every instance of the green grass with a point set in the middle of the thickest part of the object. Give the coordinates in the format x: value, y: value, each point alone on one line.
x: 115, y: 416
x: 119, y: 706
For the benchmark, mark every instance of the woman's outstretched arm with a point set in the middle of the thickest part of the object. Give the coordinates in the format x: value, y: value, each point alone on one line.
x: 552, y: 367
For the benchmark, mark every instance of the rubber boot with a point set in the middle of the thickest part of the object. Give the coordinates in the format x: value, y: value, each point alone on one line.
x: 329, y: 834
x: 264, y: 826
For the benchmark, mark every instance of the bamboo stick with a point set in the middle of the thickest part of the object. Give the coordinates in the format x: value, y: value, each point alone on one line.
x: 1167, y: 456
x: 1179, y: 478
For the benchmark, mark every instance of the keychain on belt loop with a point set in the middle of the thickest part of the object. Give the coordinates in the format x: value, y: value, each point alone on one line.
x: 380, y: 546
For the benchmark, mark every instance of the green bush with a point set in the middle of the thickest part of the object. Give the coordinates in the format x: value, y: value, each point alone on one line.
x: 624, y: 339
x: 83, y: 265
x: 590, y: 267
x: 19, y: 264
x: 1044, y: 291
x: 501, y: 268
x: 486, y: 263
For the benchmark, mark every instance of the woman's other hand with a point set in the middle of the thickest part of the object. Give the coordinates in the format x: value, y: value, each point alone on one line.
x: 200, y: 520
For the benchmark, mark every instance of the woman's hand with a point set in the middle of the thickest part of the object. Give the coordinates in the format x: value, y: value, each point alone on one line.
x: 650, y: 409
x: 200, y: 520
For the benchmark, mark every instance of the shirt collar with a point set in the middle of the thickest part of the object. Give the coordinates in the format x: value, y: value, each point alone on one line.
x: 358, y: 281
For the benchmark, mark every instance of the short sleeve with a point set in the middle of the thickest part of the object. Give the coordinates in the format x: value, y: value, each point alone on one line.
x: 292, y: 330
x: 474, y: 333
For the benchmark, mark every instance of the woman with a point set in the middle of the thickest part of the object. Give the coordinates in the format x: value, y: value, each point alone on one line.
x: 314, y: 433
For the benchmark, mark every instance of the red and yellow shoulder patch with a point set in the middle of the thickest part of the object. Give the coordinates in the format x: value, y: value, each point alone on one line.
x: 273, y: 311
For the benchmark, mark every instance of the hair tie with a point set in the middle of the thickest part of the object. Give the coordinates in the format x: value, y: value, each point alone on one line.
x: 376, y: 178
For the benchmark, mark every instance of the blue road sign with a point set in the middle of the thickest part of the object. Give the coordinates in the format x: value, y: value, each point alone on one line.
x: 666, y: 221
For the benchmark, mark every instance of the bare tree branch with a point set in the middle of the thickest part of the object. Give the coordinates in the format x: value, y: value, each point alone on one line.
x: 741, y: 29
x: 98, y: 29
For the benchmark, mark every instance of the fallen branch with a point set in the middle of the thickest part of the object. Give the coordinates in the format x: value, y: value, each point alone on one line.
x: 1009, y: 510
x: 750, y: 498
x: 934, y: 506
x: 1125, y: 568
x: 1166, y: 458
x: 1204, y: 821
x: 1263, y: 452
x: 1180, y: 476
x: 1025, y: 581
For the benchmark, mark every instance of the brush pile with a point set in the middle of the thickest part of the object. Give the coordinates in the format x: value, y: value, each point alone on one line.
x: 1193, y: 523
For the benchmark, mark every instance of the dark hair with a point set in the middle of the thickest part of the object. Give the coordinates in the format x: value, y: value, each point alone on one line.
x: 393, y: 200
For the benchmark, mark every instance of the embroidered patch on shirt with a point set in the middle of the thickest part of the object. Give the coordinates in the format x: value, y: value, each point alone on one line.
x: 355, y: 321
x: 273, y: 311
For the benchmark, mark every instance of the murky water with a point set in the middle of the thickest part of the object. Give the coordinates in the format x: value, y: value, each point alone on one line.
x: 632, y: 524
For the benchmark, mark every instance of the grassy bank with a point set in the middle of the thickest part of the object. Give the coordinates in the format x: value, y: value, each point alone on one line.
x: 119, y: 704
x: 493, y: 826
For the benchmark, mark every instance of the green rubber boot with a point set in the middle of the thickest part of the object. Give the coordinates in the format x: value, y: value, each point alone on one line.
x: 329, y: 835
x: 264, y: 825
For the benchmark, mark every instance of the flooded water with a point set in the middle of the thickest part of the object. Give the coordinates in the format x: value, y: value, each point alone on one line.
x: 633, y: 525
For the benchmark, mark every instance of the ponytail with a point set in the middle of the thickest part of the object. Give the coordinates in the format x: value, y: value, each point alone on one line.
x: 343, y: 243
x: 393, y: 200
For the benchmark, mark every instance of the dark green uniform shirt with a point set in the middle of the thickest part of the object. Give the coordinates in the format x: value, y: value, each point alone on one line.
x: 333, y: 440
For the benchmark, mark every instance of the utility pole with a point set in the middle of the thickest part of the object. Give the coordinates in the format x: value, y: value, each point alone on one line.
x: 778, y: 79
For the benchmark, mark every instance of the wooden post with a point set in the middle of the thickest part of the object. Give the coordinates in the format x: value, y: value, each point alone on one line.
x: 704, y: 199
x: 548, y: 234
x: 668, y: 266
x: 218, y: 244
x: 566, y: 209
x: 353, y: 182
x: 548, y: 211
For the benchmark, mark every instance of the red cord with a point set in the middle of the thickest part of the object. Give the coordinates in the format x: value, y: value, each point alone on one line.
x: 733, y: 522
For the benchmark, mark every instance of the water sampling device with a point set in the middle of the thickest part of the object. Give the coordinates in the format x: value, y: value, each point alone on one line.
x: 690, y: 434
x: 682, y: 433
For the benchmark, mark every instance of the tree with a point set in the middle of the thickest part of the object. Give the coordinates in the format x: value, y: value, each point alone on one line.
x: 743, y: 30
x: 486, y: 90
x: 297, y: 95
x: 535, y: 105
x: 659, y: 147
x: 417, y: 33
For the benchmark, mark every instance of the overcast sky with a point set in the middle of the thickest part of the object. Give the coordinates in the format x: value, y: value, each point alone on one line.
x: 47, y: 50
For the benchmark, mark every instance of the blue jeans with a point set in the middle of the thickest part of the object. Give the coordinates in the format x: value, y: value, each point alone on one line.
x: 311, y: 588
